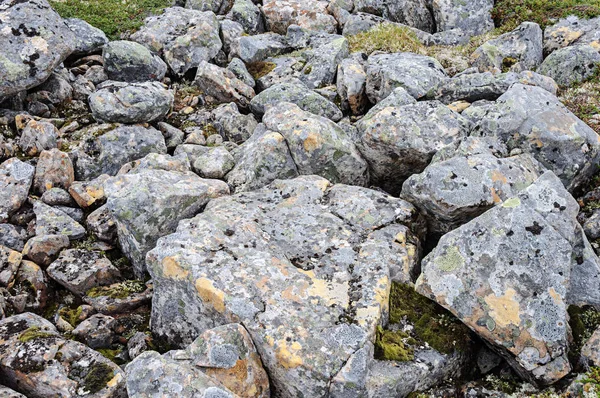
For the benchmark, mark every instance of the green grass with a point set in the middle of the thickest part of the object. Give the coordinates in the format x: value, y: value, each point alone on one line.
x: 114, y: 17
x: 508, y: 14
x: 385, y: 37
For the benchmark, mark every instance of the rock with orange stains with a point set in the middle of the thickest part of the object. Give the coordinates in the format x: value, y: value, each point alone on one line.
x: 54, y: 169
x: 38, y: 136
x: 572, y: 31
x: 36, y: 361
x: 221, y: 358
x: 530, y: 119
x: 303, y: 265
x: 317, y: 145
x: 510, y: 274
x: 452, y: 192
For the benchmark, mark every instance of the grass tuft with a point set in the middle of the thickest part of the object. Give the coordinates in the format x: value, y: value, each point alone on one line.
x: 387, y: 38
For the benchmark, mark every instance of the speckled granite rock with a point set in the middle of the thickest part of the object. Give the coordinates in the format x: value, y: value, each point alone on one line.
x: 15, y: 180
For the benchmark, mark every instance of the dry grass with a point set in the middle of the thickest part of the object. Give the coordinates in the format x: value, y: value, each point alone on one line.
x: 389, y: 38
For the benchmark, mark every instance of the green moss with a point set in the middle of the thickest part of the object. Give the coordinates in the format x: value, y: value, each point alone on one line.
x: 508, y: 63
x: 209, y: 129
x: 71, y: 315
x: 508, y: 14
x: 32, y: 333
x: 385, y: 37
x: 583, y: 321
x: 118, y: 290
x: 260, y: 69
x: 114, y: 17
x: 432, y: 324
x: 97, y: 378
x: 393, y: 345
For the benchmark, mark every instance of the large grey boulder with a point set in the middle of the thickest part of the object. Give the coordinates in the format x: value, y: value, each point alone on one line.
x: 414, y: 72
x: 148, y: 204
x: 571, y: 65
x: 105, y: 149
x: 510, y: 274
x: 183, y: 37
x: 128, y: 61
x: 282, y: 261
x: 317, y: 145
x: 16, y: 178
x: 247, y: 14
x: 452, y: 192
x: 413, y: 133
x: 297, y: 94
x: 572, y: 30
x: 117, y: 102
x: 34, y: 41
x: 233, y: 125
x: 222, y: 85
x: 413, y: 13
x: 515, y: 51
x: 88, y: 39
x: 38, y: 362
x: 311, y: 15
x: 259, y: 47
x: 533, y: 120
x: 473, y: 17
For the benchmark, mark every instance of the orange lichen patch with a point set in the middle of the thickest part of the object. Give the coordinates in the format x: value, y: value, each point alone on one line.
x: 288, y: 356
x: 172, y: 269
x: 313, y: 142
x: 234, y: 378
x: 495, y: 196
x: 555, y: 296
x: 210, y: 294
x: 296, y: 292
x: 498, y: 177
x: 115, y: 380
x: 504, y: 309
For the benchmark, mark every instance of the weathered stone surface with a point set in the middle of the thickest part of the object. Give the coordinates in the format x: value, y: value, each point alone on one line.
x: 410, y: 12
x: 453, y: 192
x: 34, y: 41
x: 88, y: 39
x: 288, y: 254
x: 308, y: 14
x: 29, y: 276
x: 572, y: 31
x: 117, y: 102
x: 415, y: 73
x: 215, y: 163
x: 533, y: 120
x: 45, y: 248
x: 412, y: 135
x: 12, y: 236
x: 10, y: 393
x: 223, y: 85
x: 259, y: 47
x: 128, y: 61
x: 351, y: 84
x: 514, y: 51
x: 472, y: 16
x: 591, y: 349
x: 54, y: 169
x: 297, y: 94
x: 15, y: 180
x: 102, y: 225
x: 240, y: 71
x: 119, y: 298
x: 216, y: 6
x: 105, y: 153
x: 38, y: 136
x: 149, y: 204
x: 183, y: 37
x: 57, y: 197
x: 9, y: 265
x: 223, y: 358
x: 323, y: 55
x: 510, y: 274
x: 80, y: 270
x: 97, y: 331
x: 263, y: 158
x: 571, y: 65
x: 38, y: 362
x: 52, y: 221
x: 88, y: 193
x: 317, y: 145
x: 232, y: 124
x: 247, y: 14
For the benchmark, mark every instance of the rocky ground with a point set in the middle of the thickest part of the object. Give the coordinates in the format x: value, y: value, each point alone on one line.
x: 299, y: 198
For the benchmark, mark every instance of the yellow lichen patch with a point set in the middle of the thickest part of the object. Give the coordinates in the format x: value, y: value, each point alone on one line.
x: 498, y: 177
x: 210, y: 294
x: 567, y: 35
x: 459, y: 106
x: 330, y: 292
x: 495, y: 196
x: 115, y: 380
x: 512, y: 202
x: 288, y: 356
x: 172, y: 269
x: 504, y: 309
x: 313, y: 142
x: 295, y: 292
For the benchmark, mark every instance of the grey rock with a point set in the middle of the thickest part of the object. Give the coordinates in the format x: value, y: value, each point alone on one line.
x: 10, y: 393
x: 216, y: 6
x: 322, y: 59
x: 105, y: 152
x: 472, y: 16
x: 311, y: 15
x: 351, y: 84
x: 183, y: 37
x: 52, y: 221
x: 173, y: 136
x: 57, y: 197
x: 12, y: 236
x: 96, y: 74
x: 591, y: 349
x: 572, y: 31
x: 128, y: 61
x: 416, y: 73
x: 149, y: 204
x: 35, y: 40
x: 398, y: 97
x: 215, y: 163
x: 297, y: 94
x: 222, y: 85
x: 97, y: 331
x: 130, y: 295
x: 43, y: 249
x: 230, y: 31
x: 276, y: 232
x: 413, y: 13
x: 279, y: 70
x: 231, y: 124
x: 413, y: 134
x: 192, y: 151
x: 259, y: 47
x: 515, y: 51
x: 570, y: 65
x: 117, y: 102
x: 10, y: 260
x: 533, y: 120
x: 101, y: 224
x: 54, y: 169
x: 591, y: 226
x: 54, y: 91
x: 81, y: 270
x: 38, y: 136
x: 137, y: 344
x: 238, y: 68
x: 15, y: 180
x: 73, y: 212
x: 88, y: 39
x: 88, y: 193
x: 247, y: 14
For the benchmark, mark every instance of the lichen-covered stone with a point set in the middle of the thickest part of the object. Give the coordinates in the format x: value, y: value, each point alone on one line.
x: 9, y: 265
x: 54, y: 169
x: 38, y: 136
x: 119, y: 298
x: 413, y: 13
x: 413, y: 133
x: 183, y: 37
x: 15, y: 180
x: 43, y: 249
x: 117, y: 102
x: 571, y: 65
x: 233, y: 125
x: 297, y: 94
x: 88, y: 193
x: 247, y: 14
x: 215, y: 163
x: 351, y: 84
x: 34, y: 41
x: 473, y: 16
x: 323, y: 54
x: 88, y: 38
x: 572, y: 30
x: 12, y: 236
x: 304, y: 267
x: 52, y: 221
x: 259, y: 47
x: 128, y: 61
x: 222, y: 85
x: 415, y: 73
x: 308, y: 14
x: 148, y: 204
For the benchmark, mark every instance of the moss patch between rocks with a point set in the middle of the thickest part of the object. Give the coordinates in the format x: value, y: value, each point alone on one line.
x: 508, y: 14
x: 260, y: 69
x: 118, y: 291
x: 32, y: 333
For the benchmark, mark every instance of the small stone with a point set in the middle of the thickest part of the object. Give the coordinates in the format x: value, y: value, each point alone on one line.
x: 38, y: 136
x: 54, y: 169
x: 9, y: 265
x: 52, y: 221
x: 15, y: 180
x: 96, y: 331
x: 88, y: 193
x: 215, y: 163
x: 43, y: 249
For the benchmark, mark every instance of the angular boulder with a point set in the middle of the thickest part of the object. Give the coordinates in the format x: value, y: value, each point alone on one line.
x: 15, y: 180
x: 128, y: 61
x: 571, y: 65
x: 473, y: 16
